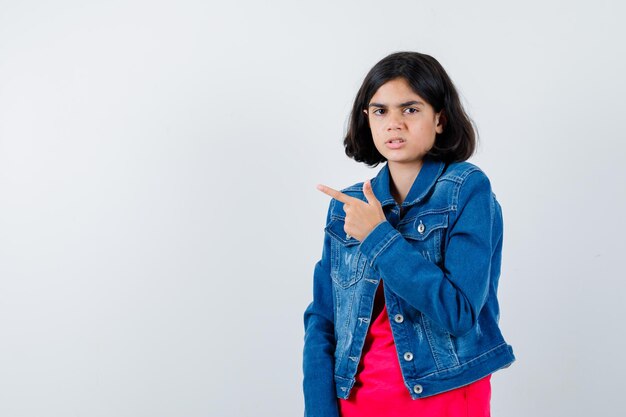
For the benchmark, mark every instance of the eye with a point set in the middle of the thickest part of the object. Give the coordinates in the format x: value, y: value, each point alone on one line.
x: 413, y: 110
x: 378, y: 110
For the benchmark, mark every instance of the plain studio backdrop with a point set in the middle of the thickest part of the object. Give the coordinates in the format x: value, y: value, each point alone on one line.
x: 159, y: 221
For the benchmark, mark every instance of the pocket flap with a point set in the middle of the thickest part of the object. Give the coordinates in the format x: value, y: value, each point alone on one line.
x: 424, y: 224
x: 335, y: 229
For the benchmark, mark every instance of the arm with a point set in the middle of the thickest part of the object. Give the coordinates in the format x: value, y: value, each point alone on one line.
x: 320, y: 397
x: 453, y: 296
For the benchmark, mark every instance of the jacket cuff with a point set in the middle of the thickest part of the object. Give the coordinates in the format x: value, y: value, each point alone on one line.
x: 377, y: 240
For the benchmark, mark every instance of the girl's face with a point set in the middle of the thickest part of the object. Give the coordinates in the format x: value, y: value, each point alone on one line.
x: 403, y: 124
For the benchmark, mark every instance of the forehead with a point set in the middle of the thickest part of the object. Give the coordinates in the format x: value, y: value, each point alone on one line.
x: 394, y: 92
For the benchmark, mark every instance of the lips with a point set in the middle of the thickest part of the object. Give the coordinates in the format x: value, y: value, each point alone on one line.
x: 394, y: 143
x: 395, y: 140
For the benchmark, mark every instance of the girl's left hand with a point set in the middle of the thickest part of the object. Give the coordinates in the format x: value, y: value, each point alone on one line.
x: 361, y: 217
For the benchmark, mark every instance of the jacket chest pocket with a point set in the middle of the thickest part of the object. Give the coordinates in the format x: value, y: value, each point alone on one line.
x: 427, y: 232
x: 347, y: 264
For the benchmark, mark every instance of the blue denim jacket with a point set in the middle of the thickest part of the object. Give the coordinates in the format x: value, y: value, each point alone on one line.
x: 438, y: 255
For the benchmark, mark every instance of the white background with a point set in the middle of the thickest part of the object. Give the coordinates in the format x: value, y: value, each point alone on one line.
x: 159, y: 221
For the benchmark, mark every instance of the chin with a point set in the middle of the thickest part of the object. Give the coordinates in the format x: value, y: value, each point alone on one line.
x: 404, y: 158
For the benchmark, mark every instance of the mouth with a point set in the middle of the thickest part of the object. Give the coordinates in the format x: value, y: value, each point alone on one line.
x: 394, y: 140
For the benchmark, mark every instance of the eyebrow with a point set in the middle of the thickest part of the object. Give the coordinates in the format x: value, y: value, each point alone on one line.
x: 408, y: 103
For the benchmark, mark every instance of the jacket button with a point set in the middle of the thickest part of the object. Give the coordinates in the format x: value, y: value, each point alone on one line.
x: 421, y: 227
x: 418, y: 389
x: 408, y: 356
x: 398, y: 318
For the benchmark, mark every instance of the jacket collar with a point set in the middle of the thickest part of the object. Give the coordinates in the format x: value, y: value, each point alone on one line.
x: 426, y: 178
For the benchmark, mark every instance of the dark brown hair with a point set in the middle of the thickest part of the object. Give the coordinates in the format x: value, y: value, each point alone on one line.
x: 430, y: 81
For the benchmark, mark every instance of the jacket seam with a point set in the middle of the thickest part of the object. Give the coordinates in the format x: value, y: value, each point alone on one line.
x: 457, y: 191
x: 464, y: 364
x: 442, y: 370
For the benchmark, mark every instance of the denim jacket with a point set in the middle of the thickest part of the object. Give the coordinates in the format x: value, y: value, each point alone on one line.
x: 438, y: 255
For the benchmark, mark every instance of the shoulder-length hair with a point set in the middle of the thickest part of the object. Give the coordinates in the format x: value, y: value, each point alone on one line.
x: 430, y: 81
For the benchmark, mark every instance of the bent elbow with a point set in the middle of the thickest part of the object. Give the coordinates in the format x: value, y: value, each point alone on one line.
x: 464, y: 324
x: 463, y: 328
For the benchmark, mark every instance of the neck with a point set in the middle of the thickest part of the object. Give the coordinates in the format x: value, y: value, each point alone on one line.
x: 403, y: 176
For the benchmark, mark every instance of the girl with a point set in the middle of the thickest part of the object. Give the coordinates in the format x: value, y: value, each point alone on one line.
x: 404, y: 317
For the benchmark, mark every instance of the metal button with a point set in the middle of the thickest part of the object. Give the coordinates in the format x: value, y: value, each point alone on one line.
x: 418, y: 389
x: 408, y: 356
x: 421, y: 227
x: 398, y: 318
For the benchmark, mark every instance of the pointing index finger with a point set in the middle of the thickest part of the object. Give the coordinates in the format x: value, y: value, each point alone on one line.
x: 337, y: 195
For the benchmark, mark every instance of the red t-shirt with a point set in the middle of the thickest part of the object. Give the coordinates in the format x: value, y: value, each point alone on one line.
x: 379, y: 389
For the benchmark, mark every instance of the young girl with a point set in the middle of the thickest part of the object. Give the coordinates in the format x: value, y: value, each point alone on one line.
x: 404, y: 317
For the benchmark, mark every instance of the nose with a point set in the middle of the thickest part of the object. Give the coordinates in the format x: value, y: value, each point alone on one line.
x: 394, y: 121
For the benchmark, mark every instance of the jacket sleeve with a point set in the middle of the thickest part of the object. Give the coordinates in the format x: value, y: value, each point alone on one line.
x: 320, y: 398
x: 451, y: 296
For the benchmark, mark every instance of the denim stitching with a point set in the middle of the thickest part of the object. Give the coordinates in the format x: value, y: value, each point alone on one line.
x: 464, y: 363
x: 431, y: 343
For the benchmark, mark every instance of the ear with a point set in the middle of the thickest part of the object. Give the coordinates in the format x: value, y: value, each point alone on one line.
x: 440, y: 120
